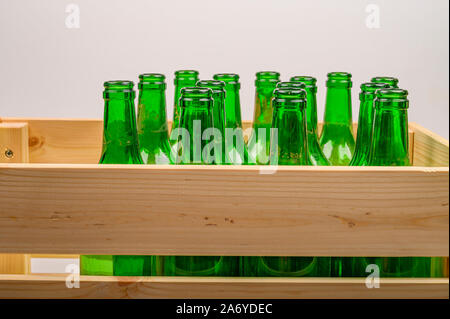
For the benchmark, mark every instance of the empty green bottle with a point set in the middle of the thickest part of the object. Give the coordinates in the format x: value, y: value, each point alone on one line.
x: 120, y: 146
x: 236, y: 152
x: 259, y: 142
x: 315, y: 154
x: 288, y: 146
x: 218, y: 114
x: 365, y: 123
x: 336, y: 140
x: 152, y: 126
x: 390, y: 147
x: 393, y: 82
x: 183, y: 78
x: 196, y: 116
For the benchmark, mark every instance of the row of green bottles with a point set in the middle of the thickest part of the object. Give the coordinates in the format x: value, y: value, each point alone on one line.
x: 297, y: 136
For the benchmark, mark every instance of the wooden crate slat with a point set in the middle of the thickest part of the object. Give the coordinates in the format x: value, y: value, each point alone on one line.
x: 212, y: 210
x: 429, y: 148
x: 53, y: 286
x: 79, y: 141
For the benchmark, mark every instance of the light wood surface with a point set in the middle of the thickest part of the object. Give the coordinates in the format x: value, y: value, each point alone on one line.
x: 79, y: 141
x: 54, y: 286
x: 430, y: 149
x: 14, y: 149
x: 224, y: 210
x: 14, y: 143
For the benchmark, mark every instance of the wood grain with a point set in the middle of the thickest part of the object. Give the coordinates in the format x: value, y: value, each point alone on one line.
x: 430, y: 149
x: 79, y: 141
x: 14, y: 138
x: 53, y: 286
x: 224, y: 210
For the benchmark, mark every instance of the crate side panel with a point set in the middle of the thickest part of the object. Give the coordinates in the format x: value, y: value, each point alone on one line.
x: 167, y: 210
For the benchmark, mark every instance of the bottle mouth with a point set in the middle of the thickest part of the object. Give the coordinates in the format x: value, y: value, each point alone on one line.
x: 215, y: 85
x: 201, y: 95
x: 372, y: 87
x: 267, y: 75
x: 291, y: 85
x: 118, y: 86
x: 152, y: 80
x: 228, y: 78
x: 186, y: 76
x: 186, y: 73
x: 339, y: 79
x: 392, y: 98
x: 289, y: 96
x: 309, y: 81
x: 393, y: 82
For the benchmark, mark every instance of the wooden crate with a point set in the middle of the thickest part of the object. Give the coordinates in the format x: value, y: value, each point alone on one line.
x: 61, y: 202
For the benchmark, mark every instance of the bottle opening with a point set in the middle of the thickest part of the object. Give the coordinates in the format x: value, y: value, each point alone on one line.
x: 196, y: 94
x: 370, y: 87
x: 392, y: 98
x: 228, y: 78
x: 291, y: 85
x: 151, y: 80
x: 393, y: 82
x: 289, y: 96
x: 186, y: 73
x: 309, y: 81
x: 267, y: 75
x: 214, y: 85
x: 339, y: 79
x: 118, y: 85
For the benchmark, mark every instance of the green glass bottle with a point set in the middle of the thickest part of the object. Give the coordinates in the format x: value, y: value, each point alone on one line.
x: 183, y: 78
x: 236, y: 152
x: 196, y: 115
x: 152, y: 126
x: 336, y: 140
x: 315, y: 154
x: 120, y: 146
x: 365, y: 123
x: 259, y: 141
x: 393, y: 82
x: 390, y: 147
x: 288, y: 146
x: 218, y: 114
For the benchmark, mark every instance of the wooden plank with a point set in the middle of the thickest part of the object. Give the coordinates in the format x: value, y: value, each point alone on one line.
x: 14, y: 143
x: 430, y: 149
x: 13, y: 264
x: 63, y: 140
x: 224, y: 210
x: 79, y: 141
x: 53, y: 286
x: 13, y: 149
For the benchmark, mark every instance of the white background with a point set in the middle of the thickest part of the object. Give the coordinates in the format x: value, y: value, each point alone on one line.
x: 49, y: 70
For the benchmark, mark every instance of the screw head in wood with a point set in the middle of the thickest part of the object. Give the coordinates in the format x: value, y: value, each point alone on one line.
x: 9, y: 153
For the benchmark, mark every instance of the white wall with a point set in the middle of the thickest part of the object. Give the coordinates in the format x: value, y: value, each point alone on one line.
x: 49, y: 70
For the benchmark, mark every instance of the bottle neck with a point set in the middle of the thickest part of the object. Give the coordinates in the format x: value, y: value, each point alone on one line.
x: 390, y: 141
x: 232, y: 107
x: 219, y: 112
x: 365, y: 130
x: 288, y: 145
x: 152, y: 119
x: 311, y: 110
x: 263, y: 106
x: 120, y: 142
x: 194, y: 121
x: 338, y: 107
x: 179, y: 84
